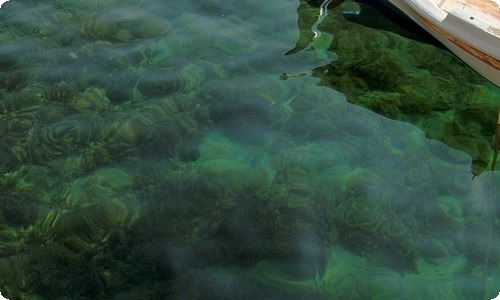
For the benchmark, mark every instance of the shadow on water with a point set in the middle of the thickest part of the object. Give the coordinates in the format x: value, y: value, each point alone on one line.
x: 379, y: 15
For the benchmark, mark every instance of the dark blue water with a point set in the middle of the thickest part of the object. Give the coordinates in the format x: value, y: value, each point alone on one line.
x: 221, y: 149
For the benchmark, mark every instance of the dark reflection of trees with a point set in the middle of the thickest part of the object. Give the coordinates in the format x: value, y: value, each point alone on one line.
x: 390, y: 66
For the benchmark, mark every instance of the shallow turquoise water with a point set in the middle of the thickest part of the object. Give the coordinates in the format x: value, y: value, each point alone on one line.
x: 216, y: 150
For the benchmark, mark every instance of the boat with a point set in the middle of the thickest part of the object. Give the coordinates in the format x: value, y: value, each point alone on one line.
x: 468, y: 28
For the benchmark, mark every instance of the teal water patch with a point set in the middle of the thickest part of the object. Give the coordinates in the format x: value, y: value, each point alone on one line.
x: 154, y: 150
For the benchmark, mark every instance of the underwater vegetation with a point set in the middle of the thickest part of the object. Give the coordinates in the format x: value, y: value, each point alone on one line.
x: 153, y: 150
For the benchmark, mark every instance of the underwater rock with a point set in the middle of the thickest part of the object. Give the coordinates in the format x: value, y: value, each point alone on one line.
x: 368, y: 214
x: 284, y: 229
x: 237, y: 88
x: 132, y: 129
x: 123, y: 24
x: 62, y: 15
x: 63, y: 91
x: 18, y: 209
x: 9, y: 245
x: 151, y: 26
x: 120, y: 86
x: 195, y: 74
x: 451, y: 210
x: 82, y: 222
x: 72, y: 133
x: 275, y: 90
x: 92, y: 99
x: 247, y: 233
x: 185, y: 77
x: 9, y: 53
x: 175, y: 118
x: 78, y: 245
x: 479, y: 245
x: 97, y: 25
x: 312, y: 127
x: 112, y: 55
x: 72, y: 166
x: 16, y: 129
x: 88, y: 5
x: 189, y: 23
x: 351, y: 276
x: 303, y: 162
x: 234, y: 40
x: 25, y: 100
x: 14, y: 79
x: 226, y: 283
x: 308, y: 98
x: 235, y: 116
x: 167, y: 259
x: 227, y: 168
x: 53, y: 269
x: 114, y: 178
x: 123, y: 36
x: 158, y: 53
x: 212, y: 284
x: 67, y: 69
x: 118, y: 212
x: 433, y: 248
x: 176, y: 136
x: 33, y: 182
x: 31, y: 21
x: 161, y: 82
x: 361, y: 188
x: 8, y: 158
x: 101, y: 185
x: 177, y: 103
x: 305, y: 253
x: 224, y: 178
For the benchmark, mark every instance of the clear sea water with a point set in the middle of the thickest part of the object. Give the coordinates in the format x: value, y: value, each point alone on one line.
x: 223, y: 149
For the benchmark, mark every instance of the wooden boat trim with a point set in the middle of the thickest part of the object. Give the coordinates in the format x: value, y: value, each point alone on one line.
x: 463, y: 45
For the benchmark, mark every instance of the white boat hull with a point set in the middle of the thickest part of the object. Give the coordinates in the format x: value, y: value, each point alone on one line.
x: 472, y: 39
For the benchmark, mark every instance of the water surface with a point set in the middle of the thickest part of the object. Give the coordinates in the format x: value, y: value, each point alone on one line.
x: 215, y: 149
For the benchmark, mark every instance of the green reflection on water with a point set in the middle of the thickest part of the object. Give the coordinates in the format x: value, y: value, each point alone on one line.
x: 155, y: 150
x: 408, y: 79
